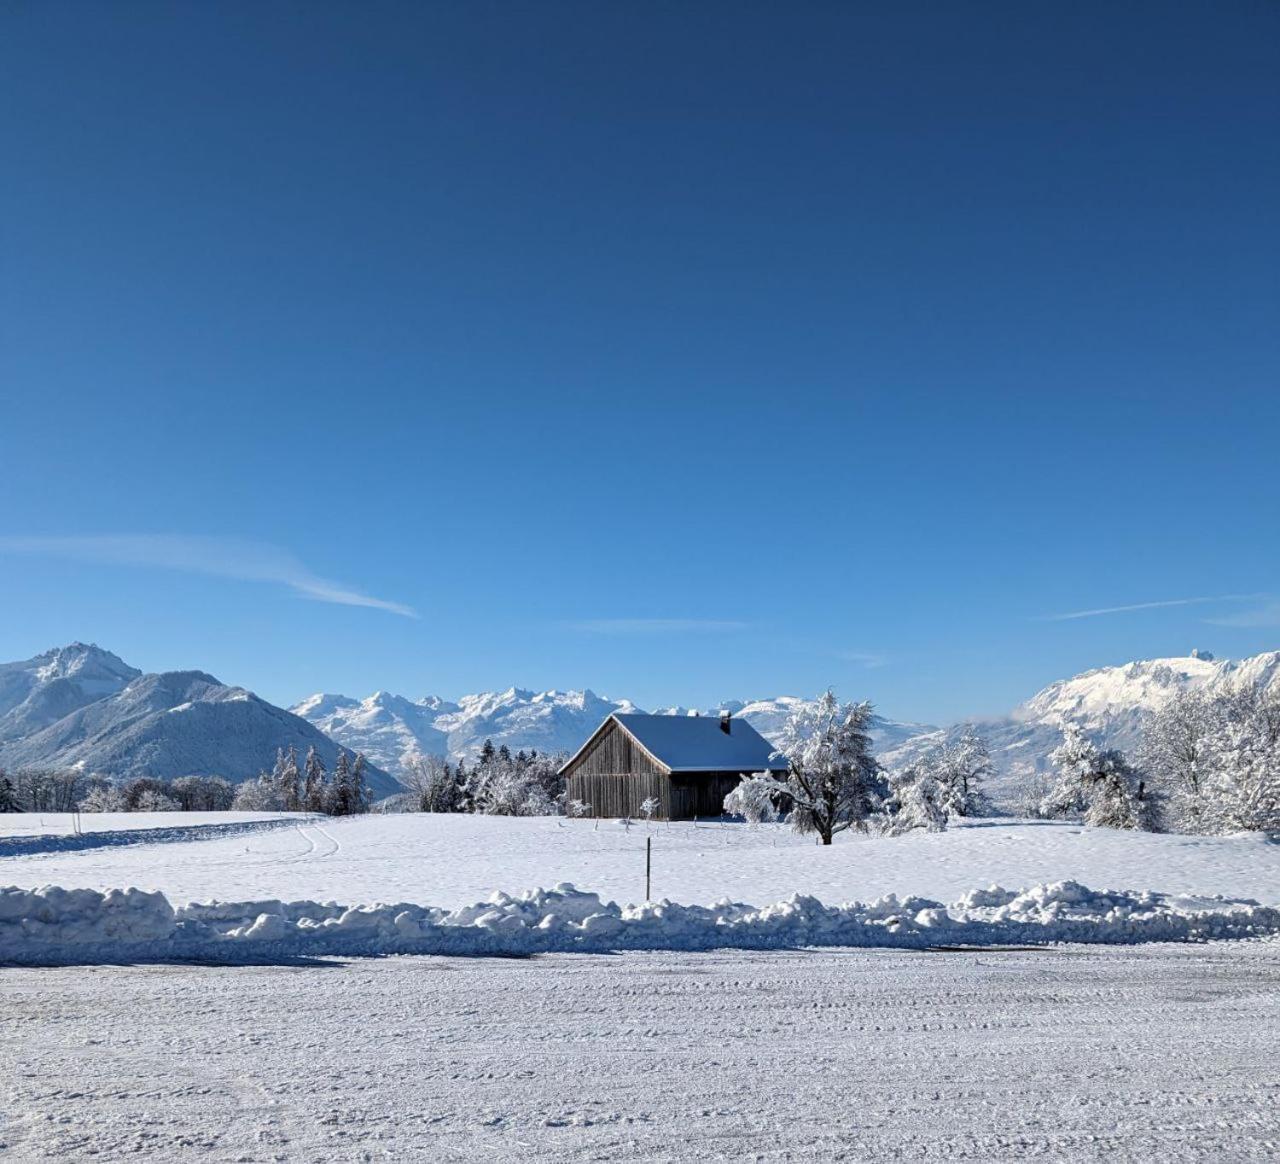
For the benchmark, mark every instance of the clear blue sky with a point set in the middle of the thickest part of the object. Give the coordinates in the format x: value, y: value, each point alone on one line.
x: 683, y: 351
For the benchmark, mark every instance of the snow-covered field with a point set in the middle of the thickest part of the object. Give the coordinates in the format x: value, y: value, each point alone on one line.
x: 456, y: 860
x: 664, y: 1051
x: 1145, y: 1053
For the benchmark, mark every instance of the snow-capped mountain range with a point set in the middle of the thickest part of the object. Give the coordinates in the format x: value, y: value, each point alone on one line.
x: 82, y: 707
x: 1110, y: 703
x: 390, y: 729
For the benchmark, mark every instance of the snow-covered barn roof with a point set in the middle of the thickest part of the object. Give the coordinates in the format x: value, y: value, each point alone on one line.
x: 697, y: 743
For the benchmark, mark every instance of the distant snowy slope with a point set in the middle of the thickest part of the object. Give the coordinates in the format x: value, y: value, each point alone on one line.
x: 37, y: 692
x: 390, y: 729
x: 176, y: 723
x: 1111, y: 704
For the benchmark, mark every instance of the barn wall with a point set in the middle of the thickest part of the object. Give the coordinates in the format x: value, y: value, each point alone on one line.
x: 620, y: 794
x: 614, y: 753
x: 615, y: 777
x: 701, y: 793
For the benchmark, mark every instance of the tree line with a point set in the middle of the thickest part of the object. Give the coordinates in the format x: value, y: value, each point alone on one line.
x: 497, y: 783
x: 288, y: 787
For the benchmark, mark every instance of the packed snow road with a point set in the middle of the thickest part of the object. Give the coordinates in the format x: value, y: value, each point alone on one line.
x: 1157, y: 1052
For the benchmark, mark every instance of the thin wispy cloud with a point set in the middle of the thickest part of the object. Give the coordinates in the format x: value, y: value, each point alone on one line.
x: 246, y: 561
x: 1133, y: 606
x: 655, y: 626
x: 1266, y: 615
x: 868, y: 659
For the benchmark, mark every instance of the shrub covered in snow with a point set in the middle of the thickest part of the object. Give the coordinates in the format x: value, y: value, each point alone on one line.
x: 833, y: 781
x: 1098, y: 785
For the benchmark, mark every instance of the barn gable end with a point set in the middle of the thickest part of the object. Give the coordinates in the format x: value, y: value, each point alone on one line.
x: 616, y: 770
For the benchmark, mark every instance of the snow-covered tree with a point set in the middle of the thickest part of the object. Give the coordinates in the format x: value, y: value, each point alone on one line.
x: 918, y: 799
x: 755, y: 799
x: 1216, y: 760
x: 8, y: 794
x: 152, y: 800
x: 833, y: 781
x: 430, y: 782
x: 1098, y: 785
x: 577, y: 808
x: 341, y: 800
x: 103, y: 798
x: 261, y: 794
x: 362, y: 794
x: 963, y: 766
x: 314, y: 793
x: 288, y: 779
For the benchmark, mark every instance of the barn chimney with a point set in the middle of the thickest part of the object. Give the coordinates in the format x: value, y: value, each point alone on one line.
x: 725, y: 717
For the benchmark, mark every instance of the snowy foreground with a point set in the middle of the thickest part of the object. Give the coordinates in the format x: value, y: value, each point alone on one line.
x: 454, y: 861
x: 242, y: 1027
x: 307, y: 887
x: 1154, y: 1052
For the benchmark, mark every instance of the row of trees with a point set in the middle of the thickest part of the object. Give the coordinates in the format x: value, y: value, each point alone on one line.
x: 309, y: 788
x: 497, y: 784
x: 288, y: 787
x: 1207, y: 762
x: 66, y: 790
x: 834, y: 782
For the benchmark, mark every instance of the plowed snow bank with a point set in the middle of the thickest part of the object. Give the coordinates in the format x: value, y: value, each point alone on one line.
x: 60, y: 926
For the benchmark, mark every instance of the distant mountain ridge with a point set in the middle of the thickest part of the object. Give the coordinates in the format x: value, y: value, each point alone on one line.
x: 82, y: 707
x: 1113, y: 704
x: 391, y: 729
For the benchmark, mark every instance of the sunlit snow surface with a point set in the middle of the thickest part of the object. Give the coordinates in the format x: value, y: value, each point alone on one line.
x: 456, y: 860
x: 476, y: 885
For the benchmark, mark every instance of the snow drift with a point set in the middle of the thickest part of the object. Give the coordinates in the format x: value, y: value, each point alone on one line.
x: 55, y: 926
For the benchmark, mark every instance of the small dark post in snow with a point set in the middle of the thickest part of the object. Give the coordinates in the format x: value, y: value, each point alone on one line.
x: 648, y: 864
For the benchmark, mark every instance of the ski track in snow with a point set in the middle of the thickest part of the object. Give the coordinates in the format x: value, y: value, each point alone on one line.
x: 1076, y: 1053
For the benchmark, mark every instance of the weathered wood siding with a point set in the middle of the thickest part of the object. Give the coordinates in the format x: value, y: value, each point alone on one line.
x: 615, y: 777
x: 614, y: 754
x: 701, y: 793
x: 621, y: 794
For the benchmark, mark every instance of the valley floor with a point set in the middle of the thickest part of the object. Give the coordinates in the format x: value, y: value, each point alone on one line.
x: 1083, y: 1053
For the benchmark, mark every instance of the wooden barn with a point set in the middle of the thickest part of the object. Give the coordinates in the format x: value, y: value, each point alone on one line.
x: 690, y: 763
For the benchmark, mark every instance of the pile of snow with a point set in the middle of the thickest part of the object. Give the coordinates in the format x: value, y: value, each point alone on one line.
x: 55, y: 926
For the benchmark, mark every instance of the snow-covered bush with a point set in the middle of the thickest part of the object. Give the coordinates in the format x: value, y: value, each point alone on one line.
x: 754, y: 799
x: 152, y: 801
x: 1096, y: 785
x: 917, y: 799
x: 202, y: 793
x: 103, y: 798
x: 261, y: 794
x: 650, y: 807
